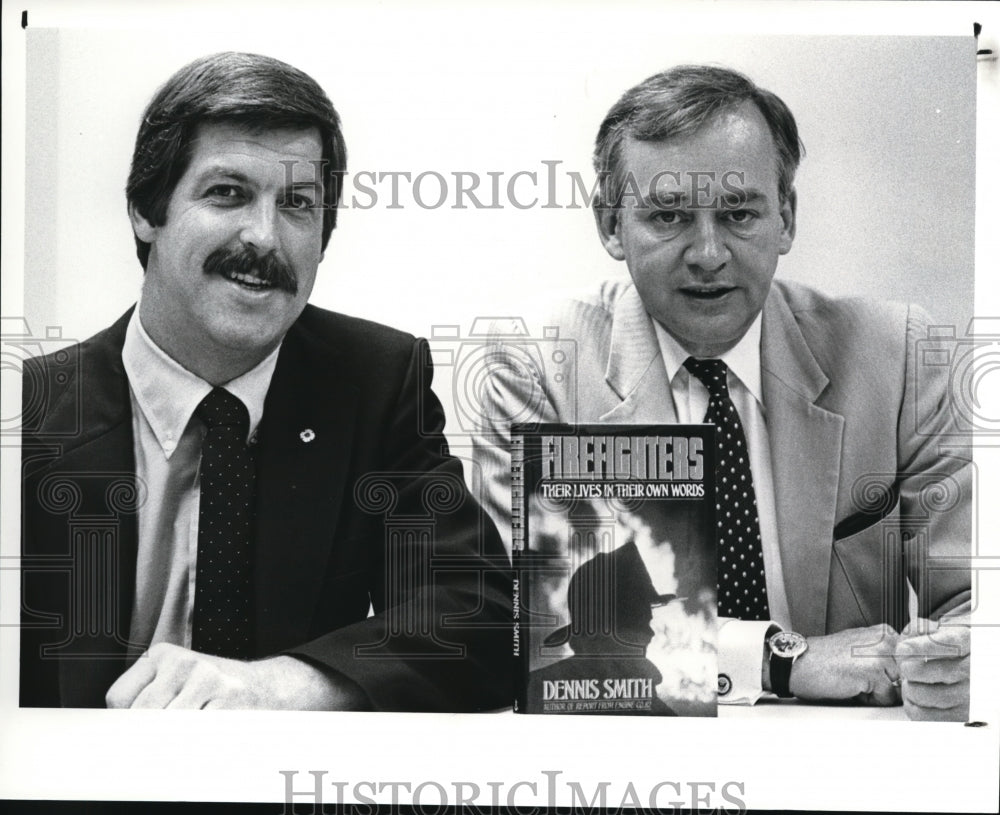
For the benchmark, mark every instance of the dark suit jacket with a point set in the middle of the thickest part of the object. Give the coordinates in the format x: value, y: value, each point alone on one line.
x: 371, y: 509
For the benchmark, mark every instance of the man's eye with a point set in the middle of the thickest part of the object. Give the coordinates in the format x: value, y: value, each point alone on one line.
x: 225, y: 192
x: 740, y: 216
x: 297, y: 202
x: 669, y: 217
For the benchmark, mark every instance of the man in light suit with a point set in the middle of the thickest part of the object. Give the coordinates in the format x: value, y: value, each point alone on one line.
x: 858, y: 494
x: 355, y: 502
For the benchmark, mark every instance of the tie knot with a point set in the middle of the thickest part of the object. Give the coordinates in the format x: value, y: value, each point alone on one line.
x: 221, y: 409
x: 711, y: 373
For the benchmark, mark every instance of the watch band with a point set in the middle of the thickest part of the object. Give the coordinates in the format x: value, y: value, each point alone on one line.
x: 781, y: 673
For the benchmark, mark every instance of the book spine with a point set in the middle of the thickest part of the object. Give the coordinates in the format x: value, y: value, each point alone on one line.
x: 517, y: 493
x: 517, y: 515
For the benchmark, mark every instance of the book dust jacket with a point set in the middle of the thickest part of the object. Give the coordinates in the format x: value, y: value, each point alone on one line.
x: 615, y: 569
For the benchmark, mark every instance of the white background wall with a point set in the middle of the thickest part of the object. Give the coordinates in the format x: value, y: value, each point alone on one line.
x: 885, y: 192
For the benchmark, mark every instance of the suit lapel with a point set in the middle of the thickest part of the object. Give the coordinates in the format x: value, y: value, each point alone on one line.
x: 303, y: 457
x: 805, y: 454
x: 635, y: 371
x: 805, y: 439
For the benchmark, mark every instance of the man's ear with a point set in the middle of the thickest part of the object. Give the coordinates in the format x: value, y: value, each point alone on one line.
x: 608, y: 224
x: 788, y: 222
x: 143, y: 229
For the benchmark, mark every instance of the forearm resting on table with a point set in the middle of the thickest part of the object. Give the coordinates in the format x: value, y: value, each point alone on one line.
x: 857, y: 664
x: 925, y: 668
x: 171, y: 676
x: 850, y: 665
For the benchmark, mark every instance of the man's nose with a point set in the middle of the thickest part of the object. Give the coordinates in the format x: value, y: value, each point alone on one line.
x: 260, y: 227
x: 707, y: 249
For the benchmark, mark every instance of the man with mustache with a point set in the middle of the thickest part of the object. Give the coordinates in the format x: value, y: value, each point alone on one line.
x: 232, y: 498
x: 845, y: 481
x: 250, y: 268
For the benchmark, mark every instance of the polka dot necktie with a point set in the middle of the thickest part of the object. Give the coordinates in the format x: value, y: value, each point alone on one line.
x: 222, y: 600
x: 741, y: 583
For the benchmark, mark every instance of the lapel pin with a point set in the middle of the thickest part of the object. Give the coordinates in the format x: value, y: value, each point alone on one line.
x: 307, y: 435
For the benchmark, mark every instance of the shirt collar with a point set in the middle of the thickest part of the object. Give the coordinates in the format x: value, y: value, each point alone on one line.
x: 743, y: 359
x: 167, y: 393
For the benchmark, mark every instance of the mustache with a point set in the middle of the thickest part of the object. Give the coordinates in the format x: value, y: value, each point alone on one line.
x: 267, y: 268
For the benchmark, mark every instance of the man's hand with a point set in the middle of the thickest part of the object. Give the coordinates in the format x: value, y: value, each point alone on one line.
x: 856, y: 664
x: 171, y: 676
x: 933, y: 660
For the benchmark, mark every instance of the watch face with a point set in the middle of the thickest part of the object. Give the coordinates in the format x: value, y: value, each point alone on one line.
x: 787, y: 644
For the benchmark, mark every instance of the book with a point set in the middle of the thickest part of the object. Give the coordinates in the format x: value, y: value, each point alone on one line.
x: 614, y: 561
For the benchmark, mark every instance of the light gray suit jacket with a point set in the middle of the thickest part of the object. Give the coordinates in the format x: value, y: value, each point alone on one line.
x: 872, y: 478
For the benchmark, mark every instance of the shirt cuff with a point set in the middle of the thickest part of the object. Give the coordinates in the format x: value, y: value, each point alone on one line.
x: 741, y: 654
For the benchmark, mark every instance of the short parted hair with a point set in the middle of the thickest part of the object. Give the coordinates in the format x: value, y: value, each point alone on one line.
x: 249, y: 89
x: 679, y: 101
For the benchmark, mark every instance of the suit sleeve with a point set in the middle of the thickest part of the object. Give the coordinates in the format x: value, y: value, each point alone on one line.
x: 515, y: 390
x: 935, y: 471
x: 440, y: 637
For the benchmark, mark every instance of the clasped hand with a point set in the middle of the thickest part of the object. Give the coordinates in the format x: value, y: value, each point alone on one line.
x: 933, y: 662
x: 926, y: 667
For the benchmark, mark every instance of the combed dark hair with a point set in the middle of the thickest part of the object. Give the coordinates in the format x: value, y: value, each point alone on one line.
x: 250, y: 89
x: 677, y: 102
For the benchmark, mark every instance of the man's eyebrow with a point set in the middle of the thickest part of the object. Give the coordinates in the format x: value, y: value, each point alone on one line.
x: 222, y: 171
x: 727, y: 197
x: 745, y: 196
x: 298, y: 185
x: 659, y: 198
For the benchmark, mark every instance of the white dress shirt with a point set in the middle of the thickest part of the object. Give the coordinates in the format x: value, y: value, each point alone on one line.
x: 167, y: 439
x: 741, y: 643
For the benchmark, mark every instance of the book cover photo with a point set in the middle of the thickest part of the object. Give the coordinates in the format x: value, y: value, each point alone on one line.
x: 615, y: 569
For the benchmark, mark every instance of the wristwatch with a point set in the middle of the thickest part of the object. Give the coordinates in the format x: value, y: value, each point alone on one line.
x: 785, y: 647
